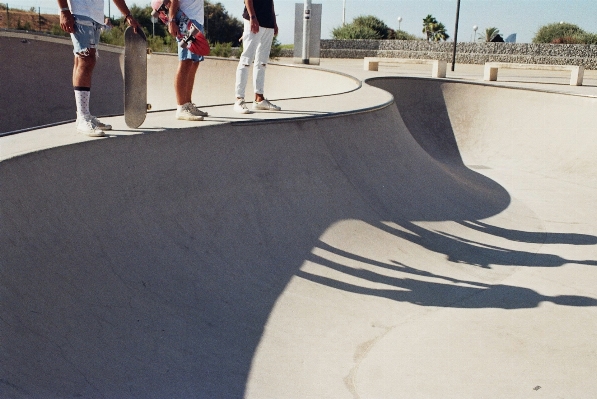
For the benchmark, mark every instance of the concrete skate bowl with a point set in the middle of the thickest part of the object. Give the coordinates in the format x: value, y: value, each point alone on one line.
x: 288, y: 259
x: 43, y: 81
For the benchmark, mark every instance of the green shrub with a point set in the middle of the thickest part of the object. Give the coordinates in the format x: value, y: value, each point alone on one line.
x: 115, y: 35
x: 276, y: 49
x: 369, y: 21
x: 221, y: 50
x: 364, y: 27
x: 23, y: 26
x: 589, y: 38
x: 56, y: 30
x: 555, y: 32
x: 166, y: 44
x: 402, y: 35
x: 351, y: 31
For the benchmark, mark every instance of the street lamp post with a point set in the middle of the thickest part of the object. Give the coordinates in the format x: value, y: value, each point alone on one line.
x: 475, y: 27
x: 455, y: 35
x: 399, y: 20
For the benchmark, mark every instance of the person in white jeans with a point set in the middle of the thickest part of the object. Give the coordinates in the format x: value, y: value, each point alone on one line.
x: 260, y: 27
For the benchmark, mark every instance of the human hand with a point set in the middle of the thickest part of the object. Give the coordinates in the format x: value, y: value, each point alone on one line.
x: 67, y: 21
x: 254, y: 25
x: 173, y: 28
x: 133, y: 22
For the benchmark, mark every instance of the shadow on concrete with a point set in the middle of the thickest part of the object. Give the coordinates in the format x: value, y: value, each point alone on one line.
x: 448, y: 292
x: 147, y: 266
x: 532, y: 237
x: 466, y: 295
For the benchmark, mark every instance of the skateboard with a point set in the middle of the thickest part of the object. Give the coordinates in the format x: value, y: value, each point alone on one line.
x: 190, y: 36
x: 135, y: 77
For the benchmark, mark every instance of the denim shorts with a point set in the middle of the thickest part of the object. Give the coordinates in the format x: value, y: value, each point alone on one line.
x: 184, y: 53
x: 86, y: 36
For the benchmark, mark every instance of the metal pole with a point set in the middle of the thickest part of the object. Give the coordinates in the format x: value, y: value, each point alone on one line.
x: 306, y: 31
x: 344, y: 12
x: 455, y: 35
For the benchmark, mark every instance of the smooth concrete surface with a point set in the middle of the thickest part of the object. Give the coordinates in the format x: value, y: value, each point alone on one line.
x: 37, y: 86
x: 413, y: 238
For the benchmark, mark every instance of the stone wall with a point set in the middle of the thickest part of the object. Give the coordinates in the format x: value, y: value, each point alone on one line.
x: 466, y: 53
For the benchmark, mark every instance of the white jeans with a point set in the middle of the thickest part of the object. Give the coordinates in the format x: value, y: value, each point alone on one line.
x: 256, y: 47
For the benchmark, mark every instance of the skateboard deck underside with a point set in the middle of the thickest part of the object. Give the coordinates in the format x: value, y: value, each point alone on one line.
x: 135, y: 77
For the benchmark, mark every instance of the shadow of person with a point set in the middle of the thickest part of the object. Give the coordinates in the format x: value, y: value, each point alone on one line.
x: 461, y: 250
x: 449, y: 293
x: 531, y: 236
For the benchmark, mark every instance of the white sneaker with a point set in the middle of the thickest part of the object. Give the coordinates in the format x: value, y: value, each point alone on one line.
x: 241, y: 107
x: 265, y: 105
x: 100, y: 124
x: 197, y: 111
x: 87, y: 127
x: 96, y: 122
x: 188, y: 112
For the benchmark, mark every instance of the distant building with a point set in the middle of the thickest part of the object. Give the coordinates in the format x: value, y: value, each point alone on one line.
x: 511, y: 38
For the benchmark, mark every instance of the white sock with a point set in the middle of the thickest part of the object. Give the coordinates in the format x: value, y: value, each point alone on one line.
x: 82, y: 95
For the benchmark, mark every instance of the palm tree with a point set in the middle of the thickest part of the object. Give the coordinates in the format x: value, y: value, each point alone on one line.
x: 434, y: 30
x: 491, y: 33
x: 439, y: 32
x: 429, y: 23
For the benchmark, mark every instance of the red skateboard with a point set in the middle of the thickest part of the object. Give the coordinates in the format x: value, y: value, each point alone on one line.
x: 190, y: 36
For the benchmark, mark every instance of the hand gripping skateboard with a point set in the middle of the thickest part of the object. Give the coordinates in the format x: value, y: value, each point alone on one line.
x: 135, y: 77
x: 190, y: 36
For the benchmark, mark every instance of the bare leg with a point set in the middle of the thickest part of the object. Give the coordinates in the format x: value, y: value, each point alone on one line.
x: 83, y: 68
x: 184, y: 81
x: 191, y: 80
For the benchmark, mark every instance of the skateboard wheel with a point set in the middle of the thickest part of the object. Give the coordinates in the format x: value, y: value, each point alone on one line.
x: 149, y: 107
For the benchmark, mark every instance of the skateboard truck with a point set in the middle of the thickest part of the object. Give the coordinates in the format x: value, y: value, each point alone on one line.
x: 189, y: 37
x: 162, y: 11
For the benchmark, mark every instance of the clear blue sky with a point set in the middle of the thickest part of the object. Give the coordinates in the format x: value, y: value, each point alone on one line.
x: 522, y: 17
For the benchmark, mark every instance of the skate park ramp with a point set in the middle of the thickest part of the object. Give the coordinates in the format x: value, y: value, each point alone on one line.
x: 444, y: 245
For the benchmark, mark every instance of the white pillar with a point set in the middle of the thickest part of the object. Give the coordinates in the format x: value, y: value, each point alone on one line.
x: 306, y: 31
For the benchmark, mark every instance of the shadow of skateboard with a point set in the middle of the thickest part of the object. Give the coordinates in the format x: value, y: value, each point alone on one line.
x: 135, y: 77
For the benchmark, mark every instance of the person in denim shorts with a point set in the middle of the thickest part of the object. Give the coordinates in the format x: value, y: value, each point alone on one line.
x: 84, y: 19
x: 180, y: 12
